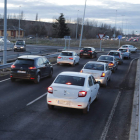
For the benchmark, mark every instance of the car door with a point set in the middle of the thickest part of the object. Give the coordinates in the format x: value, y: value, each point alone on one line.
x: 41, y: 66
x: 47, y: 66
x: 90, y: 83
x: 108, y: 71
x: 77, y: 58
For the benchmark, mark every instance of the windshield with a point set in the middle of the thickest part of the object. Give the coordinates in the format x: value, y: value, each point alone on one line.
x: 24, y: 62
x: 19, y: 43
x: 70, y: 80
x: 114, y: 53
x: 105, y: 58
x: 93, y: 66
x: 66, y: 54
x: 123, y: 50
x: 86, y: 49
x: 124, y: 46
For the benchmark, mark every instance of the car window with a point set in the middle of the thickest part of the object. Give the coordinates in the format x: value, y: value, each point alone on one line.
x: 123, y: 50
x: 106, y: 58
x: 107, y: 68
x: 124, y: 46
x: 24, y: 62
x: 19, y: 43
x: 94, y: 66
x: 93, y: 79
x: 70, y: 80
x: 114, y: 53
x: 40, y: 61
x: 90, y: 82
x: 86, y: 49
x: 45, y: 60
x: 66, y: 54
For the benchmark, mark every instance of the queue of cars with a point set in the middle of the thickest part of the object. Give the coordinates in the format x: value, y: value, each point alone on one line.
x: 69, y: 89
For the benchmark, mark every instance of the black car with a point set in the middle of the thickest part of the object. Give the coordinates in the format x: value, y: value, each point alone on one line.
x: 88, y: 52
x: 31, y: 67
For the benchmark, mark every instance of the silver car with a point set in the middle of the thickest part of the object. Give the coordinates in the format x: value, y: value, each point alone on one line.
x: 20, y: 46
x: 126, y: 53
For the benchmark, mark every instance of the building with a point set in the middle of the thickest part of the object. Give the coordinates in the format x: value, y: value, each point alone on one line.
x: 12, y: 31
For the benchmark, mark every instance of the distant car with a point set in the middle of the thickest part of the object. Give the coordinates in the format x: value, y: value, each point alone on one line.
x: 126, y: 53
x: 110, y: 60
x: 99, y: 70
x: 135, y: 40
x: 131, y: 47
x: 73, y: 90
x: 20, y: 45
x: 88, y: 52
x: 117, y: 55
x: 68, y: 57
x: 31, y: 67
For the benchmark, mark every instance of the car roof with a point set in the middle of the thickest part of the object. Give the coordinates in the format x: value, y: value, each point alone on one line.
x: 126, y: 45
x: 78, y: 74
x: 88, y: 47
x: 29, y: 57
x: 96, y: 62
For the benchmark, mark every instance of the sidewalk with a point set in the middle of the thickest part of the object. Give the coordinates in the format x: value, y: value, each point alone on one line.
x: 135, y: 117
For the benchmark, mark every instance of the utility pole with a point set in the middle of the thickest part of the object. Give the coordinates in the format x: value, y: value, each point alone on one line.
x: 5, y: 33
x: 115, y: 25
x: 77, y: 24
x: 82, y: 25
x: 122, y: 24
x: 19, y: 23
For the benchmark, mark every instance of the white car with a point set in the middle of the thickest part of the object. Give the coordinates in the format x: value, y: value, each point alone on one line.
x: 68, y: 57
x: 73, y: 90
x: 99, y: 70
x: 130, y: 47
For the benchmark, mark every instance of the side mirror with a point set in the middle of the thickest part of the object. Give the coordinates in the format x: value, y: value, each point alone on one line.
x: 98, y: 82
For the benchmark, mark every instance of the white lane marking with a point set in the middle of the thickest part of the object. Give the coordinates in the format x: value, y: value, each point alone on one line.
x: 4, y: 80
x: 36, y: 99
x: 105, y: 131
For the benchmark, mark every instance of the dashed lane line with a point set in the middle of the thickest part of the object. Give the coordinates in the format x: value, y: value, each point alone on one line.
x: 4, y: 80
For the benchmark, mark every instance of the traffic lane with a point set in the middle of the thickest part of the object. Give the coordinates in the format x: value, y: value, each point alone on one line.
x: 15, y: 96
x: 107, y: 95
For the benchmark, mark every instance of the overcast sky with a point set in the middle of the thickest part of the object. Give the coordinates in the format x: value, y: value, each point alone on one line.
x: 128, y: 11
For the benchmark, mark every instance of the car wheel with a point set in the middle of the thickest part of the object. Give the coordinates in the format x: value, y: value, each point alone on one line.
x: 51, y: 73
x: 73, y: 64
x: 13, y: 79
x: 37, y: 79
x: 50, y: 106
x: 86, y: 110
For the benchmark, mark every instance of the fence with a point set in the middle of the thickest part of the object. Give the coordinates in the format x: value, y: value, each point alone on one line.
x: 10, y: 46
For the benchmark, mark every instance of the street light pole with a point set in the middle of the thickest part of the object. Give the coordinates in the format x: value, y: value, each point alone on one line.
x: 19, y: 23
x: 82, y: 26
x: 77, y: 24
x: 115, y: 25
x: 122, y: 24
x: 5, y: 33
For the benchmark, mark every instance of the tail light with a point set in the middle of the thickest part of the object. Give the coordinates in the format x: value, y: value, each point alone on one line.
x: 81, y: 71
x: 81, y: 50
x: 110, y: 64
x: 50, y: 89
x: 71, y: 58
x: 59, y: 57
x: 32, y: 68
x: 103, y: 74
x: 89, y: 51
x: 13, y: 66
x: 68, y: 83
x: 82, y: 93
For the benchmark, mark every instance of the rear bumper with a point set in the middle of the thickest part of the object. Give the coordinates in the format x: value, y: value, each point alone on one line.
x: 70, y: 103
x: 59, y: 61
x: 102, y: 81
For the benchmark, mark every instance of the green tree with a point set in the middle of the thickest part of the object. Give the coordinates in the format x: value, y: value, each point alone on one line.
x: 60, y: 28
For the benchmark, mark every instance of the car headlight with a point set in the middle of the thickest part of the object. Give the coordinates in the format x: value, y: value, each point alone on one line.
x: 15, y: 46
x: 21, y: 47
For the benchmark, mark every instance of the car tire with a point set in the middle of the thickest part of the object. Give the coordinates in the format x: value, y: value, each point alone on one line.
x: 37, y: 79
x: 50, y: 106
x: 13, y: 79
x: 51, y: 73
x: 73, y: 64
x: 86, y: 110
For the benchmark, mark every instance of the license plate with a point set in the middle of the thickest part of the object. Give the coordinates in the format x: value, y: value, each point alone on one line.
x: 85, y: 54
x: 19, y: 71
x: 65, y: 58
x: 63, y: 102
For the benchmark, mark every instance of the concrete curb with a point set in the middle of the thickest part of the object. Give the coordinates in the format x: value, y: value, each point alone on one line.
x: 135, y: 108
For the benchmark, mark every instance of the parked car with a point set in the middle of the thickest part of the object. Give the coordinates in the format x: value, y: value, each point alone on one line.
x: 73, y: 90
x: 31, y: 67
x: 110, y: 60
x: 126, y: 53
x: 99, y: 70
x: 20, y: 45
x: 117, y: 55
x: 88, y: 52
x: 68, y: 57
x: 131, y: 47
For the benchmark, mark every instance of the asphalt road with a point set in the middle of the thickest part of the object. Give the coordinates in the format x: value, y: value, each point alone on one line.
x: 109, y: 117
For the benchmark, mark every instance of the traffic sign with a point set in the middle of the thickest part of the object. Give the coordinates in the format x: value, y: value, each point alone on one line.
x: 119, y: 36
x: 101, y: 36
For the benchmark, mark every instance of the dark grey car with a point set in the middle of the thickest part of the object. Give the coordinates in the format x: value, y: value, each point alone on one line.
x: 20, y: 45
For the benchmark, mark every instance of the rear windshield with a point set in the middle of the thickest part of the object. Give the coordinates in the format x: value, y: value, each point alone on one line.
x: 106, y: 58
x: 86, y: 49
x: 70, y: 80
x: 24, y: 62
x: 114, y: 53
x: 66, y: 54
x: 94, y: 66
x: 20, y: 43
x: 124, y: 46
x: 123, y: 50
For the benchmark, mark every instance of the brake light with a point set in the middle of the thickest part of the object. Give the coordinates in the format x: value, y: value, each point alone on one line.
x: 59, y: 57
x: 32, y: 68
x: 81, y: 71
x: 103, y: 74
x: 68, y: 83
x: 89, y: 51
x: 82, y: 93
x: 111, y: 64
x: 32, y: 78
x: 81, y: 50
x: 71, y: 58
x: 13, y: 66
x: 50, y: 89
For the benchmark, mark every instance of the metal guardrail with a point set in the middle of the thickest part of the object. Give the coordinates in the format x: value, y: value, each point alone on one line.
x: 8, y: 65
